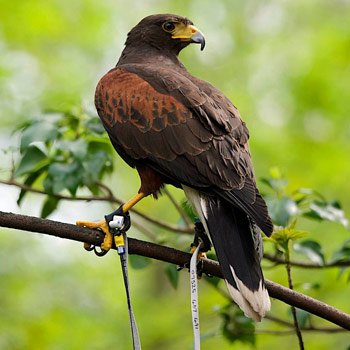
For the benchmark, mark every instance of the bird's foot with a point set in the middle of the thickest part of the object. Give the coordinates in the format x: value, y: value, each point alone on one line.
x: 201, y: 238
x: 201, y: 255
x: 112, y: 226
x: 101, y: 225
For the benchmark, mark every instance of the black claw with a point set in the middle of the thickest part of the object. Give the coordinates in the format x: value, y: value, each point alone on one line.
x: 200, y: 266
x: 100, y: 252
x: 127, y: 223
x: 90, y: 248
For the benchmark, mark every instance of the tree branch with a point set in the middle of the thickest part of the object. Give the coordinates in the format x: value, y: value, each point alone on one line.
x: 108, y: 198
x: 155, y: 251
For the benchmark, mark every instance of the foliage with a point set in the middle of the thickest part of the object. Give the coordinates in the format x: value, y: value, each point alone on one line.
x: 63, y: 152
x: 67, y: 151
x: 292, y: 93
x: 235, y: 326
x: 285, y: 208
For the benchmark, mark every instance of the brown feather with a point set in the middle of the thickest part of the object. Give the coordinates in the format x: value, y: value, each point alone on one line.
x: 187, y: 131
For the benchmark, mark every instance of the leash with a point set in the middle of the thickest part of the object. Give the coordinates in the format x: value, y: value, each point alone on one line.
x: 121, y: 242
x: 194, y: 298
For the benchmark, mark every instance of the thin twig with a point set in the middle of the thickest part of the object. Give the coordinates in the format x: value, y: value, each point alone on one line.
x: 294, y: 311
x: 279, y: 321
x: 307, y: 329
x: 109, y: 198
x: 109, y: 192
x: 178, y: 207
x: 173, y: 256
x: 302, y: 264
x: 272, y: 332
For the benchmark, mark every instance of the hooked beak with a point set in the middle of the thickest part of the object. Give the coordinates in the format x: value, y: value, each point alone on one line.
x: 198, y: 38
x: 189, y: 33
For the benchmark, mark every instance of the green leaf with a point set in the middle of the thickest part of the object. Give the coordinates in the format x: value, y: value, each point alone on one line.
x: 303, y: 317
x: 312, y: 250
x: 342, y: 254
x: 310, y: 286
x: 283, y: 236
x: 327, y: 211
x: 173, y: 274
x: 276, y: 181
x: 282, y: 209
x: 278, y: 185
x: 38, y: 131
x: 236, y: 326
x: 63, y: 176
x: 30, y: 180
x: 94, y: 165
x: 94, y: 125
x: 49, y: 206
x: 138, y: 262
x: 78, y: 148
x: 31, y: 160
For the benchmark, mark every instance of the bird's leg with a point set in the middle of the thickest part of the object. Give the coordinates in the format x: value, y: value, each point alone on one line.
x: 200, y: 236
x: 107, y: 225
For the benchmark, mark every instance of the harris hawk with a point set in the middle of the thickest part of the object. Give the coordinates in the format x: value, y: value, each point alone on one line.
x: 177, y: 129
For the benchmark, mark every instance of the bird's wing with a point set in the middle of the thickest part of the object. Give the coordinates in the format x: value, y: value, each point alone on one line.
x: 187, y: 131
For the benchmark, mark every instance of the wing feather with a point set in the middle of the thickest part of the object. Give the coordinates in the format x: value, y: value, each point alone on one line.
x: 184, y: 128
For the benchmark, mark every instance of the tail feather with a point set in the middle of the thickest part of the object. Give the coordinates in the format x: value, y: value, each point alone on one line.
x: 231, y: 234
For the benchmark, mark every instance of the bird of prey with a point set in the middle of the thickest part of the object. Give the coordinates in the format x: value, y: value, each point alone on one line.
x: 177, y: 129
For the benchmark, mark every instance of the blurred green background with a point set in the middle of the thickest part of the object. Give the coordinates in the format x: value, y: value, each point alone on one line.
x: 285, y: 65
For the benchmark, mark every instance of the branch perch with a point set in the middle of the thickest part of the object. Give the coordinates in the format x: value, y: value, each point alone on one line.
x: 155, y: 251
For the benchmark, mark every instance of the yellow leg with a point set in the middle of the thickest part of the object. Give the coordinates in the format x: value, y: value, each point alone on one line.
x: 134, y: 200
x: 103, y: 225
x: 200, y: 254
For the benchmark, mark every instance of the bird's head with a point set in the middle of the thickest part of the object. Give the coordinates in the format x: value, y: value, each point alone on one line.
x: 165, y: 32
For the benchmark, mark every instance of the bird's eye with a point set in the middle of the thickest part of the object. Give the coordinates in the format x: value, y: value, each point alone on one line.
x: 168, y: 26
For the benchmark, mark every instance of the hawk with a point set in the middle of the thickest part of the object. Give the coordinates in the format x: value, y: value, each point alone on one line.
x: 177, y: 129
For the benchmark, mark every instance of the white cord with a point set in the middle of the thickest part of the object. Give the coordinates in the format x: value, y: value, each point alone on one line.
x: 194, y: 299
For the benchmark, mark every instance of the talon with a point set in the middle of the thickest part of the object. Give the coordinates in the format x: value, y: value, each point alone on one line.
x: 199, y: 269
x: 112, y: 226
x: 200, y: 238
x: 100, y: 252
x: 103, y: 226
x: 201, y: 254
x: 89, y: 247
